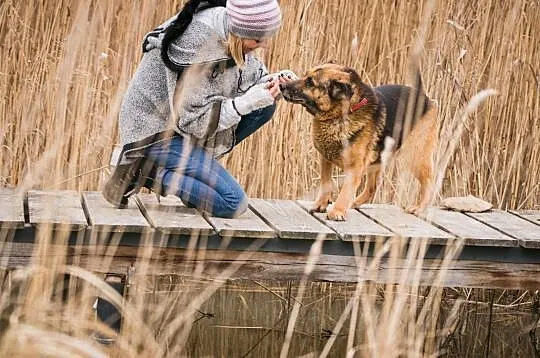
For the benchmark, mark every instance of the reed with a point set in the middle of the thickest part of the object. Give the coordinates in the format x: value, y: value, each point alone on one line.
x: 66, y: 65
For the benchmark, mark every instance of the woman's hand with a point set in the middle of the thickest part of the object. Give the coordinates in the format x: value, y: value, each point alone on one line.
x: 286, y: 76
x: 257, y: 97
x: 273, y: 87
x: 281, y: 77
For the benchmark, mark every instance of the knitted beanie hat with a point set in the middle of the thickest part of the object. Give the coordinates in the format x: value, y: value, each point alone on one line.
x: 253, y: 19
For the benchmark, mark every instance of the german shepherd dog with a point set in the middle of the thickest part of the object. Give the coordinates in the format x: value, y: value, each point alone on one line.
x: 350, y: 123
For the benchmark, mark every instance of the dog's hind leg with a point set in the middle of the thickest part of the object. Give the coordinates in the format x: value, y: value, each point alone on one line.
x: 424, y: 173
x: 420, y: 147
x: 372, y: 176
x: 324, y: 196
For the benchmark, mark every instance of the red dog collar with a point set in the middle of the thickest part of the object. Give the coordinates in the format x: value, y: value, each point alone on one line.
x: 359, y: 105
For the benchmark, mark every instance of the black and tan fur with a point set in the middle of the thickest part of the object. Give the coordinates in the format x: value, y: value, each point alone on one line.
x: 352, y: 137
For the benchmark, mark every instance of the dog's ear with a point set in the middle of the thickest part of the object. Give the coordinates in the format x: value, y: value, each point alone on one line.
x: 340, y: 90
x: 354, y: 75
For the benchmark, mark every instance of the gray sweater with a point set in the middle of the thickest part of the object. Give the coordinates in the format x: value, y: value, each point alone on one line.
x: 156, y: 102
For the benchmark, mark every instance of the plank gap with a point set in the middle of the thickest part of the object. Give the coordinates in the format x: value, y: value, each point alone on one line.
x: 515, y: 226
x: 170, y: 216
x: 472, y: 231
x: 144, y: 211
x: 85, y: 210
x: 319, y: 218
x: 532, y: 216
x: 107, y: 218
x: 358, y: 227
x: 26, y: 208
x: 406, y: 225
x: 289, y: 220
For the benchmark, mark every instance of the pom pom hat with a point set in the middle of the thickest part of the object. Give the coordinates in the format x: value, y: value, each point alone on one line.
x: 253, y: 19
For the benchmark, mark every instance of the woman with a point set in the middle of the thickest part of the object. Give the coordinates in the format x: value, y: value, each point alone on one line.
x: 199, y: 91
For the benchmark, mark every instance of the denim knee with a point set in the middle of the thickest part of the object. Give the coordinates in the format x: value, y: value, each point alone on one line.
x: 231, y: 206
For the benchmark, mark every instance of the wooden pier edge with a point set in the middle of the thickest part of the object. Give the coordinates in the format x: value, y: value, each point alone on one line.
x: 272, y: 266
x: 271, y: 241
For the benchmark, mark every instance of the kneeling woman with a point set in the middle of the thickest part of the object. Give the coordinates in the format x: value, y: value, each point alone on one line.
x: 198, y: 91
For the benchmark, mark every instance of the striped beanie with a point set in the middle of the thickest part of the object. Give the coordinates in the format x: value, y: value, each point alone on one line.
x: 253, y: 19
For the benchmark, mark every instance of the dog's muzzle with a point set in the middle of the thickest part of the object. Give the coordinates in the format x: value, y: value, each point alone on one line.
x: 291, y: 94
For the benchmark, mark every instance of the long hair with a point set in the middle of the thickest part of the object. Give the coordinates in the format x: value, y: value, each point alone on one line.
x: 180, y: 24
x: 234, y: 44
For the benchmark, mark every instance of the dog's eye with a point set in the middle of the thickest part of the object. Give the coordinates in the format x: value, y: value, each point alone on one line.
x: 309, y: 82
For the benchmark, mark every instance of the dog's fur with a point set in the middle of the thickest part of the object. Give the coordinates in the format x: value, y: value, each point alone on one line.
x: 350, y: 123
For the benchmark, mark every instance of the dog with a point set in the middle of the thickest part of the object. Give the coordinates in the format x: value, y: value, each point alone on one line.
x: 350, y: 123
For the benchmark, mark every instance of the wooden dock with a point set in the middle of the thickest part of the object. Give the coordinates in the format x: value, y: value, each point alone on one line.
x: 273, y: 240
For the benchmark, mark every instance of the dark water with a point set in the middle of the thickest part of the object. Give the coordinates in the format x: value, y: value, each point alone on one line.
x: 245, y: 319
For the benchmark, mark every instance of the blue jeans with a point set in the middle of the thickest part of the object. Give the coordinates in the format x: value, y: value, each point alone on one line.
x: 192, y: 174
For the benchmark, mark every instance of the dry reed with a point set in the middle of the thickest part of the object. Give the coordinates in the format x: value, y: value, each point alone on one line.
x: 61, y: 85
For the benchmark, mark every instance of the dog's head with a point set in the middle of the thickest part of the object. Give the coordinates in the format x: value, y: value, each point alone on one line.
x: 324, y: 90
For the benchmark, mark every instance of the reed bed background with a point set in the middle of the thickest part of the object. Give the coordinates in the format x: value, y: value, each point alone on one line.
x: 63, y: 71
x: 65, y: 65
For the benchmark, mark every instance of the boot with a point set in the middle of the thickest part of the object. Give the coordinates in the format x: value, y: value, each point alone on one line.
x: 122, y: 184
x: 128, y: 179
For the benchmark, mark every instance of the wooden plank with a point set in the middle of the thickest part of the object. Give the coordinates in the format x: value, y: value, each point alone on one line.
x: 357, y: 227
x: 284, y: 267
x: 248, y: 225
x: 531, y: 215
x: 171, y: 216
x: 104, y: 217
x: 60, y: 209
x: 11, y: 209
x: 404, y: 224
x: 472, y: 231
x: 527, y: 233
x: 289, y: 220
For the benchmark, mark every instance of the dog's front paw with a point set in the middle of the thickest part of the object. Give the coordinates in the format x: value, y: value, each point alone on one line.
x: 336, y: 215
x: 319, y: 206
x: 415, y: 210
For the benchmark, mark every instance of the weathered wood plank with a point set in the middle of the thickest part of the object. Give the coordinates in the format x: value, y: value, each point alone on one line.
x: 531, y: 215
x: 247, y: 225
x: 472, y: 231
x: 287, y: 267
x: 11, y: 209
x: 289, y: 220
x: 60, y: 209
x: 104, y: 217
x: 171, y: 216
x: 527, y: 233
x: 357, y: 227
x: 404, y: 224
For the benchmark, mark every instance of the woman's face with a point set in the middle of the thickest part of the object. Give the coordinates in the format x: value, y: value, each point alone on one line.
x: 249, y: 45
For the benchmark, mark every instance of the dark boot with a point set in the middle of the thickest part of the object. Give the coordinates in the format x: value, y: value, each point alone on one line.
x: 122, y: 184
x: 128, y: 179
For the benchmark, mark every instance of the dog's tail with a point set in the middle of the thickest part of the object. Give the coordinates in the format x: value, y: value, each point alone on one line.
x: 412, y: 104
x: 416, y: 103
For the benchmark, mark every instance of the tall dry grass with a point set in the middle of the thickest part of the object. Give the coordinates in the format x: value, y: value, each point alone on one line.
x: 66, y: 64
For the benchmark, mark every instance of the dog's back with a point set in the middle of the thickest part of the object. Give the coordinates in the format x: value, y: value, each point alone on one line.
x: 396, y: 99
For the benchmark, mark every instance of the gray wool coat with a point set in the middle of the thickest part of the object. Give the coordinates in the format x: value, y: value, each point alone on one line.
x: 158, y: 100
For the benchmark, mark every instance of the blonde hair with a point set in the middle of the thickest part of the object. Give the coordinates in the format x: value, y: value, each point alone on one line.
x: 236, y: 49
